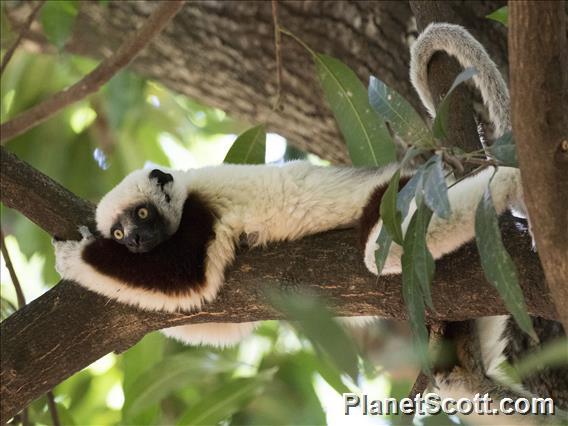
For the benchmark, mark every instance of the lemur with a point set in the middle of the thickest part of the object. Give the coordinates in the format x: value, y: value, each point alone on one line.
x: 169, y: 235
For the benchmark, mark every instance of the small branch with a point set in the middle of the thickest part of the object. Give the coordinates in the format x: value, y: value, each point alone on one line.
x: 93, y: 81
x: 22, y: 31
x: 52, y: 407
x: 277, y: 53
x: 15, y: 282
x: 539, y: 97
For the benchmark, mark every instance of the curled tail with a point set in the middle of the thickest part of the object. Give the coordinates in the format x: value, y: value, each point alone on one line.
x: 459, y: 43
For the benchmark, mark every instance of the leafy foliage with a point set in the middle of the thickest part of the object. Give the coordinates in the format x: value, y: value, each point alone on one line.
x: 497, y: 264
x: 248, y: 148
x: 366, y: 136
x: 500, y: 15
x: 504, y: 150
x: 396, y: 110
x: 390, y: 214
x: 317, y: 323
x: 57, y: 19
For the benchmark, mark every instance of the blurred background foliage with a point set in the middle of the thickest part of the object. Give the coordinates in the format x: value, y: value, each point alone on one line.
x: 279, y: 375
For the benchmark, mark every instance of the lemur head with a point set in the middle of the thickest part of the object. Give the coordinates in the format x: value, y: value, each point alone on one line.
x: 141, y: 211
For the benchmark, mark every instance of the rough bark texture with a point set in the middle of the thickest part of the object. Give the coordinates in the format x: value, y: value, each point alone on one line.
x: 222, y: 53
x: 539, y: 94
x: 68, y: 327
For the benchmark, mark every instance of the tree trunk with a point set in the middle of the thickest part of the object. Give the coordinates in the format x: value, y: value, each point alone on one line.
x: 539, y: 96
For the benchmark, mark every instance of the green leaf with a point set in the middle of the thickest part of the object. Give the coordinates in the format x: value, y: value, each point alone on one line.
x: 403, y: 199
x: 504, y: 150
x: 419, y: 260
x: 7, y: 308
x: 169, y: 375
x: 249, y: 147
x: 552, y: 354
x: 404, y: 119
x: 435, y: 188
x: 384, y: 242
x: 223, y: 401
x: 367, y: 138
x: 390, y: 215
x: 440, y: 123
x: 500, y: 15
x: 414, y: 301
x: 57, y: 20
x: 497, y: 264
x: 312, y: 319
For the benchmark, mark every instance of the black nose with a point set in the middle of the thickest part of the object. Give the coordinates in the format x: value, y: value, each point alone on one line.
x: 133, y: 240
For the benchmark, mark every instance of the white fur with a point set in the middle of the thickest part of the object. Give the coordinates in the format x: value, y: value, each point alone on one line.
x: 268, y: 203
x: 458, y: 42
x: 493, y: 343
x: 212, y: 333
x: 446, y: 235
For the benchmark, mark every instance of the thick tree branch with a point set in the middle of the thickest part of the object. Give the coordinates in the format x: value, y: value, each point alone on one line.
x: 68, y: 327
x: 93, y: 81
x: 539, y: 94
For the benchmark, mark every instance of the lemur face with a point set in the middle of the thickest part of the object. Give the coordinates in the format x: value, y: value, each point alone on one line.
x: 141, y: 212
x: 140, y: 228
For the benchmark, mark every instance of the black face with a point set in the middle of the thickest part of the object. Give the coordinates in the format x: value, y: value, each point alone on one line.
x: 140, y: 228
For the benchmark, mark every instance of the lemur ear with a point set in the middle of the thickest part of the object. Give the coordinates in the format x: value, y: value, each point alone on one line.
x: 163, y: 178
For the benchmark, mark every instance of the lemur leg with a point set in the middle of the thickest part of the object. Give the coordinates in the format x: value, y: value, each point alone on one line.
x: 446, y: 235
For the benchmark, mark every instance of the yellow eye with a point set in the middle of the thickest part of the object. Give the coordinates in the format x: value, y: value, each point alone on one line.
x: 142, y: 213
x: 118, y: 234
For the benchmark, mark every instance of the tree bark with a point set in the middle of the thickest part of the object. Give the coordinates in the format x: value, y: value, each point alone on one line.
x: 539, y: 95
x: 69, y: 327
x: 222, y: 54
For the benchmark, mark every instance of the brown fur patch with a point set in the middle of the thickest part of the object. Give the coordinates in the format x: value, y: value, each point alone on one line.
x: 175, y: 267
x: 371, y: 211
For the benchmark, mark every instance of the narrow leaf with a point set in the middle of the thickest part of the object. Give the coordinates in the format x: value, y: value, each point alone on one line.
x: 249, y: 147
x: 225, y: 400
x: 440, y: 125
x: 169, y: 375
x: 384, y: 242
x: 390, y: 215
x: 367, y: 138
x: 418, y: 258
x: 312, y: 319
x: 500, y: 15
x: 435, y: 188
x: 497, y: 264
x: 408, y: 192
x: 404, y: 119
x: 552, y: 354
x: 403, y: 199
x: 504, y: 150
x: 415, y: 305
x: 57, y: 20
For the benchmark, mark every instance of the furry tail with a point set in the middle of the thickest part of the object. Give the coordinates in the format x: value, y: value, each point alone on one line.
x: 458, y: 42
